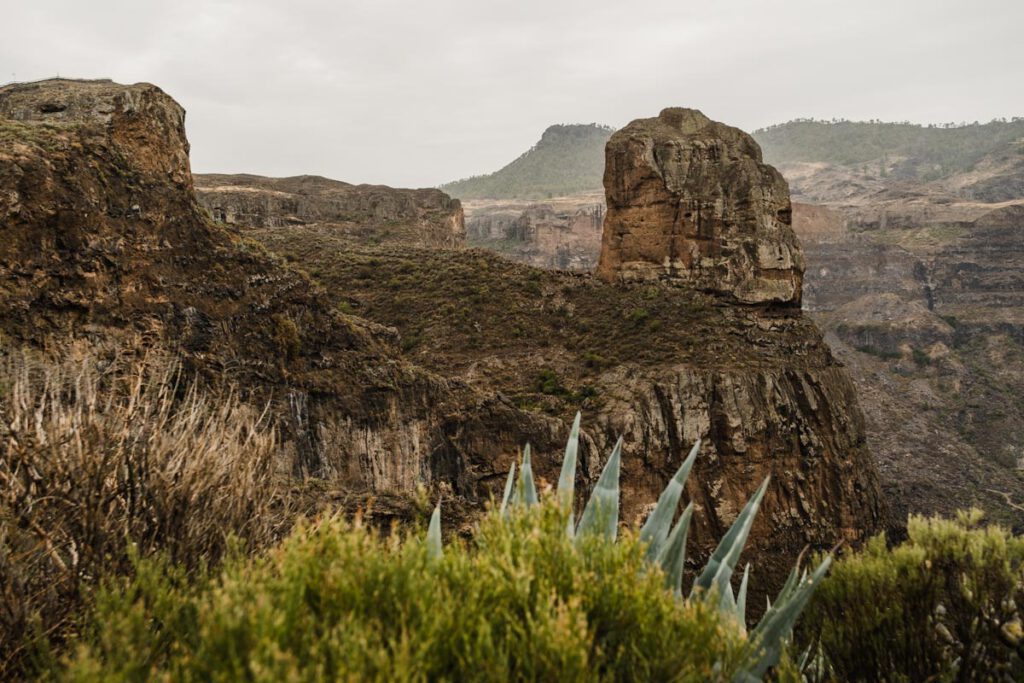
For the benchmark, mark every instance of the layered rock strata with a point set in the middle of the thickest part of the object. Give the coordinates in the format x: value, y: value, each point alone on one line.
x: 102, y: 240
x: 374, y: 213
x: 691, y: 203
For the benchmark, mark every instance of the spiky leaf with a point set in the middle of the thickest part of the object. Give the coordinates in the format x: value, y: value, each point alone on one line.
x: 527, y: 489
x: 672, y: 557
x: 741, y: 597
x: 723, y: 561
x: 769, y: 636
x: 601, y: 515
x: 509, y: 484
x: 434, y: 546
x: 567, y: 477
x: 656, y: 529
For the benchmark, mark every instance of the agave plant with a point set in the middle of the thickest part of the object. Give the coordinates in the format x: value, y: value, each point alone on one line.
x: 666, y: 546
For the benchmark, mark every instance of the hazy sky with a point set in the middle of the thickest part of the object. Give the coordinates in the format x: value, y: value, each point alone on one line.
x: 418, y: 92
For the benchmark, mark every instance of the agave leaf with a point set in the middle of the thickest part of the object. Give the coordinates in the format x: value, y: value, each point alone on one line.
x: 775, y: 628
x: 672, y: 557
x: 656, y: 529
x: 727, y: 600
x: 434, y: 547
x: 527, y: 489
x: 509, y: 484
x: 567, y: 477
x: 723, y: 561
x: 741, y: 597
x: 601, y: 515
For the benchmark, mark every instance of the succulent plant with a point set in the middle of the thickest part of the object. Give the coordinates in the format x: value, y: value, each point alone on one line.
x: 666, y: 546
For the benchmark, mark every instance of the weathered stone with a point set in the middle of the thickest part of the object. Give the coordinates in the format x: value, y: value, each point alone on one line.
x: 374, y: 213
x: 691, y: 203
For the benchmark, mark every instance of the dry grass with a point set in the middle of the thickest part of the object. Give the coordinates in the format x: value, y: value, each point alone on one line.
x: 99, y: 456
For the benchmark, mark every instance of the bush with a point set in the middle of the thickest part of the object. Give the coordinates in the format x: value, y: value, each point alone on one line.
x: 95, y: 456
x: 941, y: 606
x: 337, y: 602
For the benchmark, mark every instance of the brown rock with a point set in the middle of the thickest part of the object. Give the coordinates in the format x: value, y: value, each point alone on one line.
x: 365, y: 213
x: 691, y: 203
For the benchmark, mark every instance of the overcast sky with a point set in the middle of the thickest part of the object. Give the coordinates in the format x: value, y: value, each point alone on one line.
x: 418, y: 92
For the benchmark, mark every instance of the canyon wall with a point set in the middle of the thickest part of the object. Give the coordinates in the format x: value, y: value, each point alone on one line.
x: 662, y: 361
x: 563, y: 233
x: 403, y: 365
x: 376, y: 213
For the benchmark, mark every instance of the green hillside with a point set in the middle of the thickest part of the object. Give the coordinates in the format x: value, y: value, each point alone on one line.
x: 927, y: 152
x: 568, y: 159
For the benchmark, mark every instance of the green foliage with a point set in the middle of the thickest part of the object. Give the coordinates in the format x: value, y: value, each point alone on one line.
x: 885, y: 354
x: 941, y: 606
x: 286, y: 336
x: 927, y: 152
x: 339, y: 602
x: 567, y: 160
x: 666, y: 551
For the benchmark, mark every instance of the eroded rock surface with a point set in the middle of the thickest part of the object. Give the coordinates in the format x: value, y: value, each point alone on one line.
x: 374, y: 213
x: 691, y: 203
x: 102, y: 240
x: 562, y: 233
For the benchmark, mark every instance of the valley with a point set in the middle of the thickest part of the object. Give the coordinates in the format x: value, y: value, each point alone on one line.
x: 912, y: 270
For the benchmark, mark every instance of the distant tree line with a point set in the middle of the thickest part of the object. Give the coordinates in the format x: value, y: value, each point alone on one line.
x: 924, y: 151
x: 569, y: 158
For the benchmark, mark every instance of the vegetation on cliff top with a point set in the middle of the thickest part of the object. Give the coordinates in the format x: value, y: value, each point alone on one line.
x: 927, y: 152
x: 568, y: 159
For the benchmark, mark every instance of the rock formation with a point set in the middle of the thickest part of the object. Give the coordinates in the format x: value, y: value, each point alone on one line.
x: 691, y: 203
x: 375, y: 213
x: 102, y: 241
x: 563, y: 234
x: 661, y: 363
x: 919, y: 289
x: 101, y: 237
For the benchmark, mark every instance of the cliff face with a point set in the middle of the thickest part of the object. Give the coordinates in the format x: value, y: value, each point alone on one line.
x: 102, y: 241
x: 661, y: 362
x: 690, y: 202
x: 376, y: 213
x: 563, y: 233
x: 918, y: 285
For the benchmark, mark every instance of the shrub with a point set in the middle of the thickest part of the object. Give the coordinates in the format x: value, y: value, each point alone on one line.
x: 337, y: 602
x: 664, y: 546
x: 941, y: 606
x: 286, y: 336
x: 94, y: 456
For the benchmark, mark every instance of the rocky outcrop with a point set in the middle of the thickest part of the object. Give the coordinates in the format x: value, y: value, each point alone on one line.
x: 375, y: 213
x: 102, y: 238
x: 919, y: 289
x: 102, y: 241
x: 660, y: 362
x: 563, y: 234
x: 691, y: 203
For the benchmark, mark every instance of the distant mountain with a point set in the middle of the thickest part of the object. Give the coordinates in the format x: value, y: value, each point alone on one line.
x: 568, y: 159
x: 906, y: 150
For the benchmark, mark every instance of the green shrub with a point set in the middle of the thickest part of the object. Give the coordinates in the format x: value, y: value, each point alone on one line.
x: 339, y: 602
x: 286, y: 335
x: 940, y: 606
